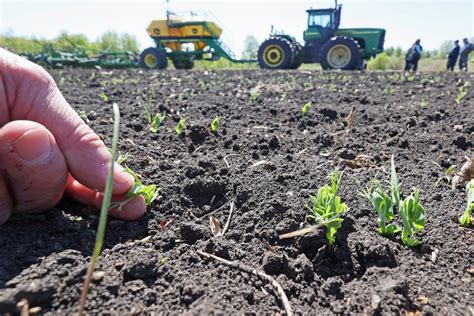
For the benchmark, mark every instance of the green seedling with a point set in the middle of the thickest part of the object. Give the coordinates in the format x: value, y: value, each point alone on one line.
x: 254, y: 94
x: 149, y: 192
x: 462, y: 92
x: 332, y: 87
x: 180, y: 127
x: 306, y: 108
x: 104, y: 97
x: 423, y: 103
x: 413, y: 215
x: 156, y: 122
x: 83, y: 115
x: 215, y: 124
x: 466, y: 218
x: 382, y: 203
x: 411, y: 211
x: 448, y: 173
x: 122, y: 158
x: 104, y: 211
x: 327, y: 207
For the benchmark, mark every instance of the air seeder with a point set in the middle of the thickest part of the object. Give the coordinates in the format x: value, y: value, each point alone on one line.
x: 184, y: 42
x: 325, y: 43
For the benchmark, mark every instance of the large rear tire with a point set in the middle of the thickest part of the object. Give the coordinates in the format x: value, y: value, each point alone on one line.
x: 297, y: 56
x: 153, y: 58
x: 275, y: 53
x: 340, y: 53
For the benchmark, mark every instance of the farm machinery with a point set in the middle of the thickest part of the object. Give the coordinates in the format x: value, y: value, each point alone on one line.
x: 184, y: 42
x: 325, y: 43
x: 80, y: 58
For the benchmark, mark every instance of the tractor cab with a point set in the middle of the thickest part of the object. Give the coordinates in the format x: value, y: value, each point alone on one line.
x: 322, y: 24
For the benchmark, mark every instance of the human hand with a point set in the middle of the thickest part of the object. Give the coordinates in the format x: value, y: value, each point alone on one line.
x: 46, y: 148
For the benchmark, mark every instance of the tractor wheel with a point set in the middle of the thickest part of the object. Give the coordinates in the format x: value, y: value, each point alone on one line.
x: 340, y: 53
x: 275, y: 53
x: 297, y: 58
x: 153, y: 58
x: 183, y: 62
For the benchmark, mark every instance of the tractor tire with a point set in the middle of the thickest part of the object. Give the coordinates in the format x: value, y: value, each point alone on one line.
x: 340, y: 53
x: 183, y: 62
x: 153, y: 58
x: 275, y: 53
x: 297, y: 58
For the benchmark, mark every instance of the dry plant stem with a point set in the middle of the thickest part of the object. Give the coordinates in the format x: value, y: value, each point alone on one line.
x: 230, y: 155
x: 260, y: 274
x: 103, y: 214
x: 306, y: 230
x: 227, y: 224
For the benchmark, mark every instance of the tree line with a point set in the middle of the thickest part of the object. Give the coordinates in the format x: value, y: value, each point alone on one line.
x: 110, y: 40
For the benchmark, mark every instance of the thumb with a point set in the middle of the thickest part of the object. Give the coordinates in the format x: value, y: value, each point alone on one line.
x: 31, y: 94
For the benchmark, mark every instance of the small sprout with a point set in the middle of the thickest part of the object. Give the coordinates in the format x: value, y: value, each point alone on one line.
x: 462, y: 92
x: 411, y: 211
x: 448, y: 172
x: 149, y: 192
x: 424, y: 104
x: 156, y: 122
x: 83, y: 115
x: 382, y: 203
x: 332, y: 87
x: 413, y: 215
x: 104, y: 97
x: 180, y: 127
x: 254, y: 94
x: 327, y: 207
x: 466, y: 218
x: 103, y: 214
x: 306, y: 108
x: 122, y: 158
x: 163, y: 260
x: 215, y: 124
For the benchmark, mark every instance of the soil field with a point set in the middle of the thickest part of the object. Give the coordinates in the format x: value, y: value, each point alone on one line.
x: 265, y: 161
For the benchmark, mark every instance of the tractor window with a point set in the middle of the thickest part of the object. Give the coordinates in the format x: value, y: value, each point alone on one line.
x: 322, y: 20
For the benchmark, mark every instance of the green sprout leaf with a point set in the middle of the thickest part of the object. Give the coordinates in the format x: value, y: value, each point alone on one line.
x: 306, y: 108
x: 382, y: 203
x: 327, y: 207
x: 466, y: 218
x: 156, y: 122
x: 149, y: 192
x: 104, y: 211
x: 104, y: 97
x: 181, y: 126
x: 413, y: 215
x: 215, y: 124
x: 254, y: 94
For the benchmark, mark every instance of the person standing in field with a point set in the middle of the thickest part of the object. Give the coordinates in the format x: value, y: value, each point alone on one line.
x: 453, y: 56
x: 464, y: 55
x: 408, y: 59
x: 412, y: 56
x: 417, y: 49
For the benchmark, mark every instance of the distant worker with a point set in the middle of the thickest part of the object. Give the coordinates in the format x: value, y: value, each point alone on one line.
x: 417, y: 49
x: 453, y: 55
x: 464, y: 55
x: 408, y: 59
x: 413, y: 56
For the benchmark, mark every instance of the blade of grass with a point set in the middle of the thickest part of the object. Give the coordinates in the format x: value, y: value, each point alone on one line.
x: 103, y: 214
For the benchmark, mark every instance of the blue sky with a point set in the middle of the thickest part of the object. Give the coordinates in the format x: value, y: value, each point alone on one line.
x: 432, y: 21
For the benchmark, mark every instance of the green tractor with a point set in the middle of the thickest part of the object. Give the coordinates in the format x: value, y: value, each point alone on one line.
x: 325, y: 43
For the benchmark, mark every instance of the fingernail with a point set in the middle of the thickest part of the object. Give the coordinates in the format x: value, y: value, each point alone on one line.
x: 33, y: 146
x: 120, y: 176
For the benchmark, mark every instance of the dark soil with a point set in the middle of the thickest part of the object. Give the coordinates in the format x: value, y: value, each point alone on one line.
x: 44, y: 257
